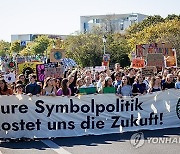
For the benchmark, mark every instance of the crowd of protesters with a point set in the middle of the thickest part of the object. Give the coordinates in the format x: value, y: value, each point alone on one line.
x: 126, y: 82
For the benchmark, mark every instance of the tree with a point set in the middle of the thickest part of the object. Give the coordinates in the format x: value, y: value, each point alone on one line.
x: 150, y: 20
x: 40, y: 44
x: 4, y: 48
x: 15, y: 47
x: 168, y: 31
x: 85, y: 49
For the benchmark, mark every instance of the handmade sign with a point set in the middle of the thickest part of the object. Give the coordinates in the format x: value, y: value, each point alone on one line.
x: 10, y: 78
x: 138, y: 63
x: 148, y: 71
x: 56, y: 55
x: 106, y: 60
x: 155, y: 59
x: 48, y: 70
x: 27, y: 68
x: 20, y: 60
x: 171, y: 60
x: 100, y: 68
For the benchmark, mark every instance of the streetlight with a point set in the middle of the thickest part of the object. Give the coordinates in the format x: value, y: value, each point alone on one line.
x: 104, y: 43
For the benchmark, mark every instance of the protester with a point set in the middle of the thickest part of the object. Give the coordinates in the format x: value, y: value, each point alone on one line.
x: 139, y: 87
x: 169, y: 83
x: 155, y: 84
x: 177, y: 84
x: 49, y: 89
x: 118, y: 77
x: 64, y: 90
x: 88, y: 82
x: 125, y: 89
x: 131, y: 75
x: 4, y: 90
x: 32, y: 88
x: 19, y: 89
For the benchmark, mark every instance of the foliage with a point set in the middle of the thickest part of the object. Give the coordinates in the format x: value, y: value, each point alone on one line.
x: 168, y: 31
x: 40, y: 44
x: 4, y: 48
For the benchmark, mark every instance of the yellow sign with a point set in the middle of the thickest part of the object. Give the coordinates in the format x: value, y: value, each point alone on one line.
x: 27, y: 66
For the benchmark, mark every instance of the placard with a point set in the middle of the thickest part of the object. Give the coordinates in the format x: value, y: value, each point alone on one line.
x: 138, y: 63
x: 56, y: 55
x: 155, y: 59
x: 148, y: 71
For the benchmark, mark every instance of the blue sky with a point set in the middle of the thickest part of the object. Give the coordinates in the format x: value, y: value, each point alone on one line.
x: 63, y: 16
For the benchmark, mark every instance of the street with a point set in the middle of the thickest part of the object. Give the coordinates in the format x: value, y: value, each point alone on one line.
x: 104, y: 144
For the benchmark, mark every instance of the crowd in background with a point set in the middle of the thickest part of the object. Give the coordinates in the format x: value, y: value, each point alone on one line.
x: 125, y: 82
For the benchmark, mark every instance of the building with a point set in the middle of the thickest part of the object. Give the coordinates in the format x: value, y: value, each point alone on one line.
x: 25, y: 38
x: 110, y: 23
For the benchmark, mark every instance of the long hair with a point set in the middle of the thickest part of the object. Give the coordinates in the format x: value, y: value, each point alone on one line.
x: 5, y: 85
x: 46, y: 82
x: 65, y: 89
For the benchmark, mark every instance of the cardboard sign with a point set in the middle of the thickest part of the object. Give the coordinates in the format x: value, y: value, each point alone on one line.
x: 138, y: 63
x: 10, y: 78
x: 20, y: 60
x: 149, y: 71
x: 48, y: 70
x: 56, y: 55
x: 100, y: 68
x: 171, y: 61
x: 27, y: 68
x: 155, y: 59
x: 143, y: 49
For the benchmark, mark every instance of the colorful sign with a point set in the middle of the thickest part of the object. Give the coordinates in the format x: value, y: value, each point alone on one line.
x: 138, y: 63
x: 56, y: 55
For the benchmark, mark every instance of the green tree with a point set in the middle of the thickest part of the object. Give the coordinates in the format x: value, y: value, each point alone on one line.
x: 150, y: 20
x: 4, y: 48
x: 168, y: 31
x: 16, y: 47
x: 40, y: 45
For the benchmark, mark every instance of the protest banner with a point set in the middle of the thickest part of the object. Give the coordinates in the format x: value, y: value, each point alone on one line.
x: 44, y: 117
x: 149, y: 71
x: 155, y: 59
x: 138, y: 63
x: 56, y: 55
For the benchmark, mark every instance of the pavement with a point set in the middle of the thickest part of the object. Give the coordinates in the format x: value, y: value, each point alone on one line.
x: 164, y: 141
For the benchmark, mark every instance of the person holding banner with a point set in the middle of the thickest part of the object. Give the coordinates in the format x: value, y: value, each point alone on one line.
x: 49, y: 89
x: 155, y: 84
x: 125, y: 89
x: 168, y: 84
x: 32, y: 88
x: 177, y: 84
x: 139, y: 87
x: 4, y: 90
x: 64, y: 90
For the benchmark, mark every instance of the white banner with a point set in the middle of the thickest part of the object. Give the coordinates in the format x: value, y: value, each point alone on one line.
x: 45, y: 116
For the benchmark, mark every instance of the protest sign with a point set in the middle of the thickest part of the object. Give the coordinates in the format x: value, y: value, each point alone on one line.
x: 171, y: 60
x: 149, y: 71
x: 10, y: 78
x: 44, y: 117
x: 155, y: 59
x: 56, y: 55
x: 48, y: 70
x: 138, y: 63
x: 100, y: 68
